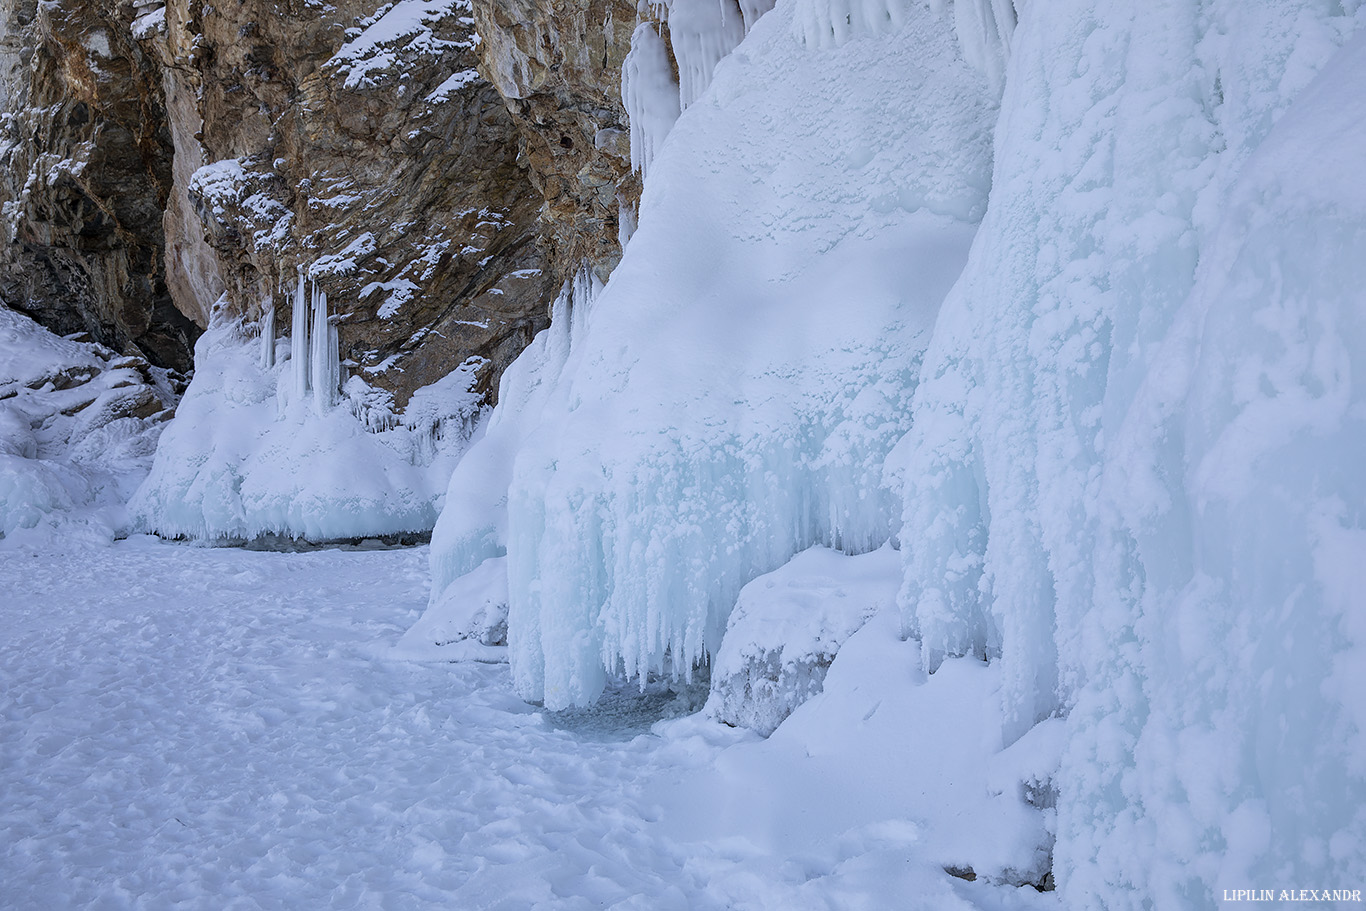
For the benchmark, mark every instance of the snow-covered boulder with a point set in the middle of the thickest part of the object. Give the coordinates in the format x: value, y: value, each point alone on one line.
x: 469, y: 622
x: 786, y: 628
x: 78, y: 426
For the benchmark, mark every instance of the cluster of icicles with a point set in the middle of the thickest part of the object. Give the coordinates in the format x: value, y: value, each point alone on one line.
x: 315, y: 359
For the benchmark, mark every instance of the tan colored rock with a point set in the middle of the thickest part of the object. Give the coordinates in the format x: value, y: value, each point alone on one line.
x: 558, y: 65
x: 386, y: 168
x: 85, y: 160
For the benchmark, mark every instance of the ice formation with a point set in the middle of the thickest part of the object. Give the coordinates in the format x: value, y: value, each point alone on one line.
x: 650, y: 95
x: 1124, y: 472
x: 298, y: 341
x: 325, y: 360
x: 273, y: 450
x: 473, y: 525
x: 701, y: 33
x: 701, y: 426
x: 267, y: 333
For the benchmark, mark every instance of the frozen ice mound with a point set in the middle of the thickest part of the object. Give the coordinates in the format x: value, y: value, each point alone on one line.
x: 254, y: 452
x: 787, y: 627
x: 695, y: 427
x: 78, y: 426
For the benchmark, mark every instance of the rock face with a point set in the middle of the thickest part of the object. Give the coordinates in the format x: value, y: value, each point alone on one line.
x: 366, y: 150
x: 85, y: 173
x: 438, y: 184
x: 558, y: 65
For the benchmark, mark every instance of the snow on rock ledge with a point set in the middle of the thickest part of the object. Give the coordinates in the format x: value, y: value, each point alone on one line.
x: 787, y: 627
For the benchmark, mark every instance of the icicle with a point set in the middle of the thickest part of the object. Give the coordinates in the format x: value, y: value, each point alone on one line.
x: 984, y: 29
x: 579, y: 293
x: 830, y: 23
x: 268, y: 332
x: 650, y: 94
x: 323, y: 354
x: 701, y: 32
x: 298, y: 342
x: 626, y: 223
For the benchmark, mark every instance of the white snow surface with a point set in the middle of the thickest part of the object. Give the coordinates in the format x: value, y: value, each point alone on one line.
x: 252, y: 451
x: 213, y: 727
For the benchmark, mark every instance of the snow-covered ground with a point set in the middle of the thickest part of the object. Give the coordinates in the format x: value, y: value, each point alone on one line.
x: 227, y: 728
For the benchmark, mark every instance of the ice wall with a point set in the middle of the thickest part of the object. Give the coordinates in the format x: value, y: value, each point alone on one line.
x: 1127, y: 471
x: 705, y: 424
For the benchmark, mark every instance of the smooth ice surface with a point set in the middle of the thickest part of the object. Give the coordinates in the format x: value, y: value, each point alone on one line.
x: 699, y: 426
x: 214, y: 727
x: 256, y: 451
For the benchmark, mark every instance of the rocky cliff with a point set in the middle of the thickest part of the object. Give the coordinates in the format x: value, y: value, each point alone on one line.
x: 363, y: 147
x: 439, y: 167
x: 558, y: 65
x: 85, y: 174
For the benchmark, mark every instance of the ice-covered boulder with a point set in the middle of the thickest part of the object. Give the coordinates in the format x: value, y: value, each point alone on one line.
x: 788, y: 625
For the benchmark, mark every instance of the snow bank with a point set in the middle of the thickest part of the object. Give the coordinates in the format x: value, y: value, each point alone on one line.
x: 78, y: 425
x: 886, y: 757
x: 786, y: 628
x: 706, y: 424
x: 254, y: 451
